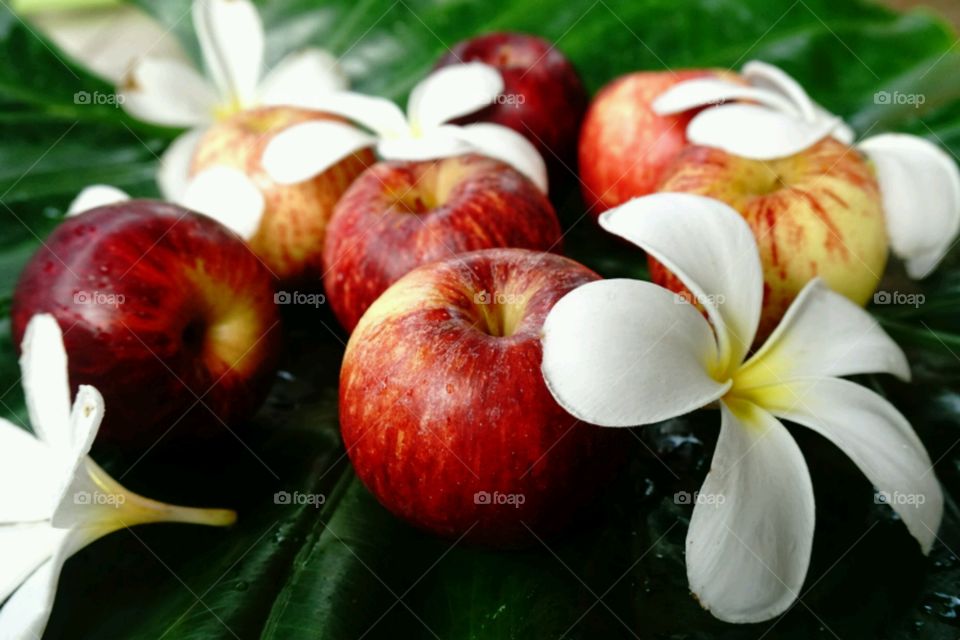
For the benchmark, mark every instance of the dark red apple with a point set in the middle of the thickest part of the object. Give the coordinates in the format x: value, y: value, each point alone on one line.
x: 543, y: 97
x: 169, y: 314
x: 444, y: 410
x: 399, y: 215
x: 626, y: 148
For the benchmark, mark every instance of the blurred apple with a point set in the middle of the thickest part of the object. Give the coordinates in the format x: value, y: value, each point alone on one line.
x: 445, y: 413
x: 817, y: 213
x: 168, y: 313
x: 291, y: 233
x: 543, y: 97
x: 400, y: 215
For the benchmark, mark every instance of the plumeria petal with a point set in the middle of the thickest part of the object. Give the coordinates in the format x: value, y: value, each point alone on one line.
x: 30, y: 477
x: 646, y: 358
x: 306, y: 150
x: 506, y: 145
x: 823, y: 334
x: 767, y: 76
x: 45, y: 384
x: 451, y: 92
x: 377, y: 114
x: 173, y: 174
x: 97, y: 195
x: 168, y: 93
x: 432, y: 144
x: 303, y: 79
x: 228, y: 196
x: 920, y: 185
x: 750, y: 537
x: 876, y: 437
x: 23, y: 549
x: 756, y: 132
x: 703, y: 92
x: 710, y: 248
x: 842, y: 132
x: 232, y: 41
x: 26, y: 613
x: 85, y: 419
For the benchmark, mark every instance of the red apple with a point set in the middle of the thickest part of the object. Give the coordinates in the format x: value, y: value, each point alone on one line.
x: 543, y: 97
x: 166, y: 312
x: 291, y: 233
x: 625, y: 147
x: 444, y: 410
x: 817, y: 213
x: 400, y: 215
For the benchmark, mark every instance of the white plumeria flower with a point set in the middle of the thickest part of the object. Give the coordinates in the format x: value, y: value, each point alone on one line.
x: 448, y: 93
x: 619, y: 353
x: 55, y: 499
x: 171, y: 93
x: 919, y: 182
x: 780, y: 120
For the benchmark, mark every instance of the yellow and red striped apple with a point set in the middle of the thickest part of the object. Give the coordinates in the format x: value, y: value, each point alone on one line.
x: 444, y: 410
x: 399, y: 215
x: 292, y: 230
x: 817, y: 213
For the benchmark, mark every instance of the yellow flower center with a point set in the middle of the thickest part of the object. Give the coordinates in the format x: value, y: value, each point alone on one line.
x: 226, y: 109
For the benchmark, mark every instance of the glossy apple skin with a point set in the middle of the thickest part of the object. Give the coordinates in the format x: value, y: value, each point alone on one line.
x: 817, y: 213
x: 625, y: 147
x: 553, y: 97
x: 158, y: 306
x: 400, y: 215
x: 292, y: 232
x: 437, y: 404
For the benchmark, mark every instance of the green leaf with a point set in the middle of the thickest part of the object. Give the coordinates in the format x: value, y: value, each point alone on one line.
x: 348, y: 569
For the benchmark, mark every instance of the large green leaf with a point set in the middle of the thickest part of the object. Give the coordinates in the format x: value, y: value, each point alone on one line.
x: 348, y: 569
